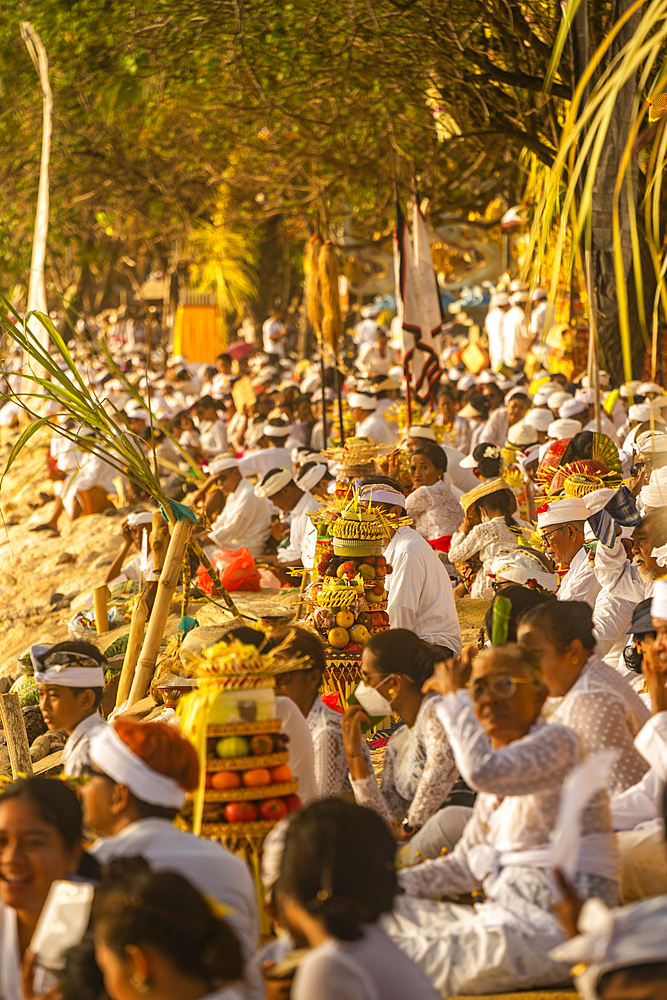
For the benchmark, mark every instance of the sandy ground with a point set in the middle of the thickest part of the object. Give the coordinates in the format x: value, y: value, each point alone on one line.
x: 34, y: 566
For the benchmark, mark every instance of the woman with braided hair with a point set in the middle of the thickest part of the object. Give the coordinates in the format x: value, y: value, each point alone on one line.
x: 337, y: 878
x: 419, y: 770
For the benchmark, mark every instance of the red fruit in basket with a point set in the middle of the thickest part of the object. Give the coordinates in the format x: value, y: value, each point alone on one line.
x: 376, y: 619
x: 293, y: 802
x: 241, y: 812
x: 222, y: 780
x: 280, y: 774
x: 261, y: 745
x: 378, y: 588
x: 272, y: 809
x: 257, y: 777
x: 349, y: 567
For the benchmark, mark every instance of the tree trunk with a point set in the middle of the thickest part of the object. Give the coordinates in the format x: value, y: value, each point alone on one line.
x: 269, y: 272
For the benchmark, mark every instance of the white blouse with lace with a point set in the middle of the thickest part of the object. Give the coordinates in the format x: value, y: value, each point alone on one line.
x: 419, y: 770
x: 503, y: 943
x: 487, y: 539
x: 604, y: 711
x: 434, y: 510
x: 331, y: 772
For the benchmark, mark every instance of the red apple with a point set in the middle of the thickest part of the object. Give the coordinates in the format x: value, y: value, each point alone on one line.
x: 273, y: 809
x: 241, y: 812
x: 293, y: 802
x: 377, y: 618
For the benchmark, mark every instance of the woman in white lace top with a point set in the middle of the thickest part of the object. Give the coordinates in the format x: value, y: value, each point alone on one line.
x: 517, y: 763
x: 432, y: 506
x: 301, y: 684
x: 487, y: 529
x: 589, y: 696
x: 419, y: 770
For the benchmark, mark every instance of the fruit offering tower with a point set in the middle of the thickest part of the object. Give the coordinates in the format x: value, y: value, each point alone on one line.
x: 347, y: 599
x: 246, y: 785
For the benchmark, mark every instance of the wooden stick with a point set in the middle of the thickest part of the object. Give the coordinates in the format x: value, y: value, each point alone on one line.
x: 163, y: 598
x: 13, y: 724
x: 100, y: 598
x: 139, y: 616
x: 304, y: 577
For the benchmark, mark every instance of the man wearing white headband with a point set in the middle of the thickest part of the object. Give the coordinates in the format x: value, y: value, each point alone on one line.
x: 136, y: 533
x: 136, y: 785
x: 561, y: 524
x: 370, y: 424
x: 279, y: 487
x: 245, y: 520
x: 314, y: 477
x: 70, y: 680
x: 271, y: 451
x: 420, y: 596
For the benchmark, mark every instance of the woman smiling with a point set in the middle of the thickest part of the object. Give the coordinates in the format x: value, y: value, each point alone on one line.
x: 433, y: 507
x: 40, y: 842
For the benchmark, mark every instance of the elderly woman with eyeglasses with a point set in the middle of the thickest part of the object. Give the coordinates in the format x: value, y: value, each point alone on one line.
x: 517, y: 763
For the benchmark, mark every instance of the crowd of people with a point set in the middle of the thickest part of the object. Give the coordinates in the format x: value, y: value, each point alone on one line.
x: 443, y: 872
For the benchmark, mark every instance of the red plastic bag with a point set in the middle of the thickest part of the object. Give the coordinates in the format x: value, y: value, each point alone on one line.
x: 236, y: 568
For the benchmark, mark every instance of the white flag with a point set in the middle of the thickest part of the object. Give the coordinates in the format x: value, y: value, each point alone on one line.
x: 418, y: 303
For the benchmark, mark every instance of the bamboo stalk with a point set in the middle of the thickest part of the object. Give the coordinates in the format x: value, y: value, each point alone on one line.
x: 304, y: 577
x: 100, y: 598
x: 163, y: 598
x: 13, y: 724
x: 139, y: 616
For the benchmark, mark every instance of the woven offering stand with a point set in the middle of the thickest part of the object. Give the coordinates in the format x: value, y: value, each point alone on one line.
x: 246, y: 785
x: 357, y: 459
x: 347, y: 601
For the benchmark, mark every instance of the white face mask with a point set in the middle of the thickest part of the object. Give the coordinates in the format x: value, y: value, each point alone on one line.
x: 374, y: 703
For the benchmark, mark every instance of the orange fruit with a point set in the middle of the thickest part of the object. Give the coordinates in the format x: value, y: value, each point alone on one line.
x: 258, y: 776
x: 280, y: 774
x: 225, y: 779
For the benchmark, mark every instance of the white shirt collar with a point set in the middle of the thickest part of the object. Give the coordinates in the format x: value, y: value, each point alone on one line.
x: 85, y: 726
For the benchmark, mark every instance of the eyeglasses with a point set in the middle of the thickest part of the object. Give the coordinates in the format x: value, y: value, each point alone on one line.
x: 547, y: 537
x: 500, y: 687
x: 498, y: 585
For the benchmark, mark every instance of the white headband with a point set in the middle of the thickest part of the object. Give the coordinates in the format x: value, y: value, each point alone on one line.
x: 306, y: 480
x: 221, y: 464
x: 419, y: 431
x: 382, y: 494
x: 66, y: 669
x: 122, y: 765
x: 274, y: 484
x: 357, y: 401
x: 141, y: 517
x: 562, y: 512
x: 271, y: 431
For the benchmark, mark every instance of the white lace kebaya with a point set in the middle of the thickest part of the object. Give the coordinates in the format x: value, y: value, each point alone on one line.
x: 419, y: 770
x: 501, y: 944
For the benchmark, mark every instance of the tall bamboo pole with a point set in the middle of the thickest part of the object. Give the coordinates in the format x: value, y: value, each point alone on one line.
x: 36, y: 285
x: 165, y: 592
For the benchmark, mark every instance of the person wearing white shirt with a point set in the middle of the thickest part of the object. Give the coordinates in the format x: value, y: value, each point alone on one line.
x: 377, y: 357
x: 368, y: 423
x: 494, y: 324
x: 70, y: 680
x: 561, y: 524
x: 212, y: 430
x: 279, y: 487
x: 137, y: 784
x: 420, y: 596
x: 517, y: 337
x: 273, y: 334
x: 245, y: 520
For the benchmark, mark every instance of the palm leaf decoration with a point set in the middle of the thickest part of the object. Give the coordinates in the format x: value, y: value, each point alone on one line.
x: 106, y: 439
